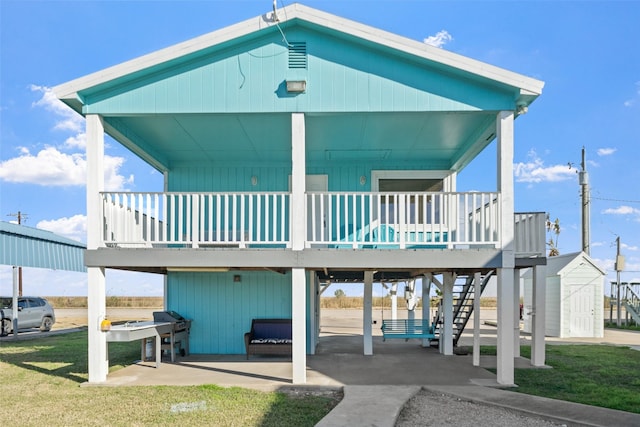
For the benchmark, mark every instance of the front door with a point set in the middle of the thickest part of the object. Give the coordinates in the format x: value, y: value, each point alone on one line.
x: 582, y: 311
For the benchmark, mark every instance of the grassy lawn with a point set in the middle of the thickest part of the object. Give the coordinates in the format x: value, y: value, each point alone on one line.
x: 41, y: 386
x: 597, y: 375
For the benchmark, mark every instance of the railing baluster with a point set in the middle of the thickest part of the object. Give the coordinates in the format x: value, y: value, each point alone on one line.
x: 251, y: 223
x: 259, y: 218
x: 420, y: 219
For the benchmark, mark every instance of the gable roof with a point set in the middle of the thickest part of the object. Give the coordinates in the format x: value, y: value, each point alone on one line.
x: 529, y: 88
x: 557, y: 265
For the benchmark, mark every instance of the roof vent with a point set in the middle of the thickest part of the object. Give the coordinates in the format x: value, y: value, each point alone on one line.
x: 297, y: 55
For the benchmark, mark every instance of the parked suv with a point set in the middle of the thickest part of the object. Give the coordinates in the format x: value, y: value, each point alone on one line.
x: 33, y: 312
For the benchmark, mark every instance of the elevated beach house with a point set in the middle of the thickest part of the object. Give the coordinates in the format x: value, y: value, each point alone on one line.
x: 300, y: 148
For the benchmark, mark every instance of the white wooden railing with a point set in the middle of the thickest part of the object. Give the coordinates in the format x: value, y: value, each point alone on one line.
x: 196, y: 219
x: 530, y: 234
x: 334, y: 219
x: 402, y: 220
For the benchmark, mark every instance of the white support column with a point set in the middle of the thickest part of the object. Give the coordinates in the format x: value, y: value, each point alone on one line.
x: 516, y: 313
x: 538, y: 327
x: 298, y: 185
x: 504, y: 133
x: 96, y: 313
x: 298, y: 324
x: 96, y: 305
x: 14, y: 302
x: 505, y: 328
x: 394, y: 301
x: 367, y: 318
x: 313, y: 308
x: 477, y: 285
x: 426, y: 305
x: 446, y: 338
x: 411, y: 306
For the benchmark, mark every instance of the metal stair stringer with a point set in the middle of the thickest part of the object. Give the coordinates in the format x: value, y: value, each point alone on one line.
x: 632, y: 303
x: 463, y: 307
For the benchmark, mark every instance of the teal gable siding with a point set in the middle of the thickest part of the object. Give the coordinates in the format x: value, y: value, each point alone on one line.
x: 221, y: 309
x: 341, y: 76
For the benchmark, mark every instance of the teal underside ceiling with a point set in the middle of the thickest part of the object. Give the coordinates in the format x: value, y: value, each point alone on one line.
x: 363, y: 102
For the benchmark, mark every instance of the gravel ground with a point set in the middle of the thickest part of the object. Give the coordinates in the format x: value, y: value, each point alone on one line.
x: 431, y: 409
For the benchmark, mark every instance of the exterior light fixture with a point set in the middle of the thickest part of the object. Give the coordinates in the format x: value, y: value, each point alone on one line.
x: 296, y: 86
x: 254, y: 180
x: 363, y: 180
x: 522, y: 109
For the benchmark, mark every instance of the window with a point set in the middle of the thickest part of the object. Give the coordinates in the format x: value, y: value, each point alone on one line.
x: 419, y: 208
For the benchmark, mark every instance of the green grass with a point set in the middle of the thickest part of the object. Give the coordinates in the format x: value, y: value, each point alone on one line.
x: 628, y: 327
x: 41, y: 383
x: 597, y: 375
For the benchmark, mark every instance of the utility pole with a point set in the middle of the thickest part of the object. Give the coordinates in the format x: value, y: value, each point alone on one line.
x: 619, y: 268
x: 19, y: 215
x: 583, y: 178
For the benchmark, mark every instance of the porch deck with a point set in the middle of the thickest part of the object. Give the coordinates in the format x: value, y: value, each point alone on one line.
x: 400, y: 220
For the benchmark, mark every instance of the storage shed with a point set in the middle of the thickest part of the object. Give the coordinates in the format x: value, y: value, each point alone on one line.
x: 574, y: 297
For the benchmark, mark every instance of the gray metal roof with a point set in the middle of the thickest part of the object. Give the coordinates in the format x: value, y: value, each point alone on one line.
x: 31, y: 247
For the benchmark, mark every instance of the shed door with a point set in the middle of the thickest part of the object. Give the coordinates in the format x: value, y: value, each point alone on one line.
x: 582, y: 311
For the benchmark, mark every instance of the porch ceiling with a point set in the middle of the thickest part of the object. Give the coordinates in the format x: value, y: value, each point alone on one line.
x: 449, y: 139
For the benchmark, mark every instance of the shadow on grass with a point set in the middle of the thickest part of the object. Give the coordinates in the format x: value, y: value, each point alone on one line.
x: 300, y: 406
x: 598, y: 375
x: 64, y: 356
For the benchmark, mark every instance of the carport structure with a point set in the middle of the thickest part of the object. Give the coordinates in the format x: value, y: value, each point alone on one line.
x: 22, y: 246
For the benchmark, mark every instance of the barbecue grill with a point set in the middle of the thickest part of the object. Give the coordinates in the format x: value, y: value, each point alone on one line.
x: 178, y: 336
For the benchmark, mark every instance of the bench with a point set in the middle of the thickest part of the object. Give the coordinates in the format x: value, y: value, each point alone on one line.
x: 407, y: 328
x: 269, y: 337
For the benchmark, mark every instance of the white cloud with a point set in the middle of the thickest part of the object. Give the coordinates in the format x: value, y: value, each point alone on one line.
x: 632, y: 102
x: 606, y: 151
x: 74, y: 228
x: 69, y: 120
x: 621, y: 210
x: 536, y: 171
x: 628, y: 247
x: 624, y: 210
x: 440, y: 39
x: 51, y: 167
x: 78, y: 141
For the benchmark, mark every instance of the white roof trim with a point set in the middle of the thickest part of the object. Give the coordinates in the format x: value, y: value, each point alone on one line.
x: 530, y: 85
x: 561, y: 262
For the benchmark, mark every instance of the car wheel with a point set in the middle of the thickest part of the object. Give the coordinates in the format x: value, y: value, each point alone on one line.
x: 47, y: 323
x: 5, y: 327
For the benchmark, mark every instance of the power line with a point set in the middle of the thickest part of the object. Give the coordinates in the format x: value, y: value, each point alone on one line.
x: 615, y: 200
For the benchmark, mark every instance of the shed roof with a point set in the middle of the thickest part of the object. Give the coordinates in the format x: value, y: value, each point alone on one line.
x: 559, y: 265
x: 31, y: 247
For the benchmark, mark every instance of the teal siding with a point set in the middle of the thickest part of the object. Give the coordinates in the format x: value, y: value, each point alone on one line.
x: 229, y: 178
x: 343, y: 176
x: 221, y: 309
x: 341, y: 76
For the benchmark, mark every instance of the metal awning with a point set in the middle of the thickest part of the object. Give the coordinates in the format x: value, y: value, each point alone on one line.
x: 30, y: 247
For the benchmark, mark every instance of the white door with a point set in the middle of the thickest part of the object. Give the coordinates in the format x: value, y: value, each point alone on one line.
x: 582, y: 311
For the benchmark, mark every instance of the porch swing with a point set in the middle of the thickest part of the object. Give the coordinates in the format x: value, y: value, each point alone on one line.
x: 408, y: 328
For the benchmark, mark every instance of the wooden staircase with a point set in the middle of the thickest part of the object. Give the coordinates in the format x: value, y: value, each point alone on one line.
x: 631, y: 300
x: 463, y: 294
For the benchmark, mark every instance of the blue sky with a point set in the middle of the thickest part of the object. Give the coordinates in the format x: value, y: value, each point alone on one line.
x: 585, y: 51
